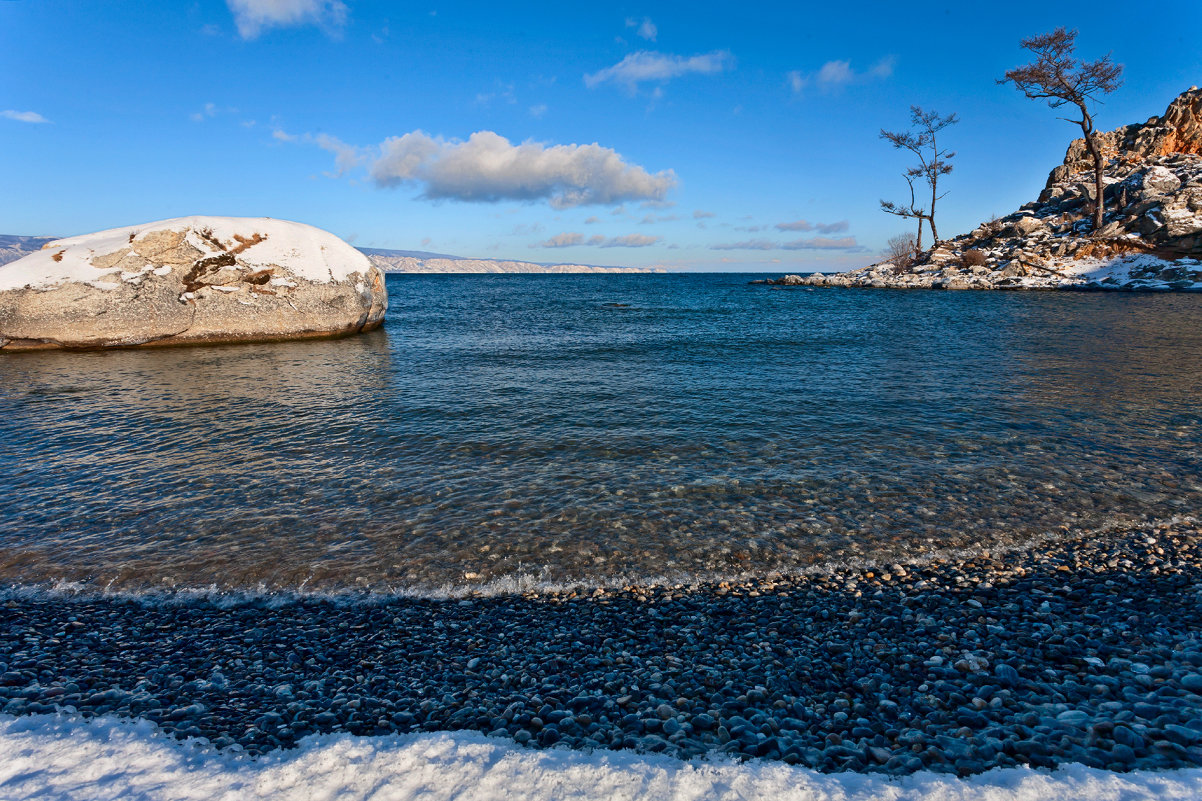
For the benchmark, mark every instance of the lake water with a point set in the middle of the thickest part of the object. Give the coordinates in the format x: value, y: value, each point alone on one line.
x: 501, y: 431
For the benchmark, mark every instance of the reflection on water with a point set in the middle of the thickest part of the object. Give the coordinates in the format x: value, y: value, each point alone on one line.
x: 594, y: 427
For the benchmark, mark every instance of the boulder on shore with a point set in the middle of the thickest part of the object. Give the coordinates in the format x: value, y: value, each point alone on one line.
x: 189, y: 280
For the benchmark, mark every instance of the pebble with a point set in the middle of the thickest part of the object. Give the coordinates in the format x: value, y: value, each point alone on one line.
x: 839, y: 672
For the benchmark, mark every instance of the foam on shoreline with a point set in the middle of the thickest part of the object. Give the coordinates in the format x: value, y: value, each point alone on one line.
x: 50, y: 757
x: 540, y: 584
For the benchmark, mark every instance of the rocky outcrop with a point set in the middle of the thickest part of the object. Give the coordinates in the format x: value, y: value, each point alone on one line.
x: 1152, y: 237
x: 189, y: 280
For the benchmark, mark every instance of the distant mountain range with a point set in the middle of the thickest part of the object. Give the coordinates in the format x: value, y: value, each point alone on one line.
x: 390, y: 261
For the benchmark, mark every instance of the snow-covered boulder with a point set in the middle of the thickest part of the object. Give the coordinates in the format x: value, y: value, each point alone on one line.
x: 190, y: 279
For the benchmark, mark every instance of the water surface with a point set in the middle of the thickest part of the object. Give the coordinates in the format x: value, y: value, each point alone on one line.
x: 598, y: 429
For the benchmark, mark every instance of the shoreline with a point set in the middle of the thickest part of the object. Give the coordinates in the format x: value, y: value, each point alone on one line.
x: 952, y: 666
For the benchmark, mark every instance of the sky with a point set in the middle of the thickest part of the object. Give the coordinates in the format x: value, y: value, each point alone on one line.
x: 688, y: 136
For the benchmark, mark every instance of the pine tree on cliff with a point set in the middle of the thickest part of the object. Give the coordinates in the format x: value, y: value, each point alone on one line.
x: 921, y: 140
x: 1062, y: 80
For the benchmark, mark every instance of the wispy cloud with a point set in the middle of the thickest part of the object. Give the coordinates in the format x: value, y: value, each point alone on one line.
x: 628, y: 241
x: 644, y: 29
x: 211, y: 110
x: 255, y: 16
x: 538, y: 111
x: 651, y: 219
x: 816, y: 243
x: 488, y: 168
x: 837, y: 74
x: 806, y: 225
x: 573, y: 239
x: 698, y: 214
x: 565, y: 240
x: 23, y: 116
x: 647, y: 66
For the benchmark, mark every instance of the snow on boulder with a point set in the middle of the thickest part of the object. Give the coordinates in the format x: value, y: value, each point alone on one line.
x: 189, y: 280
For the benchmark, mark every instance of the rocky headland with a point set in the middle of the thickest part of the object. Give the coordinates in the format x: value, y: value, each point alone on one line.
x: 1151, y: 240
x: 189, y: 280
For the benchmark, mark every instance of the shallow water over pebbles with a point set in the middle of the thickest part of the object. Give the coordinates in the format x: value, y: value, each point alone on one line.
x: 596, y: 429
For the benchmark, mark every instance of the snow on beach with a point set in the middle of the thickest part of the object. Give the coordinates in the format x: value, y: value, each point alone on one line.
x: 50, y: 757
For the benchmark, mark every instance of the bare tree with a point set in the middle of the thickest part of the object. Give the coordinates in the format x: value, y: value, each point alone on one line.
x: 1056, y: 76
x: 901, y: 249
x: 933, y: 162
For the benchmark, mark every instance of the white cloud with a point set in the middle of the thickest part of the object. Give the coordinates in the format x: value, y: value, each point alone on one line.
x: 628, y: 241
x: 698, y: 214
x: 211, y: 110
x: 646, y: 28
x: 816, y: 243
x: 836, y: 74
x: 806, y: 225
x: 488, y: 168
x: 592, y: 220
x: 346, y: 157
x: 565, y: 240
x: 538, y: 111
x: 23, y: 116
x: 254, y: 16
x: 572, y: 239
x: 644, y: 66
x: 651, y: 219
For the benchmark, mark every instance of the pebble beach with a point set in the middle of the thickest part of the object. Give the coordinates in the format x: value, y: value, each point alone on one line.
x: 1085, y: 648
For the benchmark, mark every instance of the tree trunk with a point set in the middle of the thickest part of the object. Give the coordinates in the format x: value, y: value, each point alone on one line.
x: 918, y: 242
x: 1099, y: 206
x: 931, y: 219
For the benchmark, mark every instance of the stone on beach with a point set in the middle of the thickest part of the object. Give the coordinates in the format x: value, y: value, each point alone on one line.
x: 189, y: 280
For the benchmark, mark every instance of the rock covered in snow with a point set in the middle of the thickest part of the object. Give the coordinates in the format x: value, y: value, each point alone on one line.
x: 190, y: 279
x: 1151, y: 239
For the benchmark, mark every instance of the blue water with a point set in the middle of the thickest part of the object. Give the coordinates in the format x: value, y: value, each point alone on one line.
x: 597, y: 429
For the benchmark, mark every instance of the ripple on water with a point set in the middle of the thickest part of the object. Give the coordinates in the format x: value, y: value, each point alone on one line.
x: 509, y: 429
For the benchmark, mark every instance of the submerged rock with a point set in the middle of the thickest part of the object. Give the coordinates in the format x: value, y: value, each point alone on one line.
x: 189, y: 280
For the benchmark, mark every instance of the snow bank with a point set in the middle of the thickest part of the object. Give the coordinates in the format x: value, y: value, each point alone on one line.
x: 305, y: 251
x: 56, y: 757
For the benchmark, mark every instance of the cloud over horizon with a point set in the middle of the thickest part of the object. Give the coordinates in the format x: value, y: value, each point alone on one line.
x: 649, y: 66
x: 252, y: 17
x: 806, y: 225
x: 487, y: 168
x: 573, y: 239
x: 815, y: 243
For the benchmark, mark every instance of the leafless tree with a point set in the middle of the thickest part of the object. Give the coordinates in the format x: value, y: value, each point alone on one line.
x: 900, y: 250
x: 933, y: 163
x: 1056, y: 76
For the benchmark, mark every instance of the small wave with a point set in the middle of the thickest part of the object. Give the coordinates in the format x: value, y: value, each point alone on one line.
x: 541, y: 584
x: 53, y: 757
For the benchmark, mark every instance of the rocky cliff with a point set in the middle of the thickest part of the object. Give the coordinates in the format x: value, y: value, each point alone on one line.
x: 1152, y: 237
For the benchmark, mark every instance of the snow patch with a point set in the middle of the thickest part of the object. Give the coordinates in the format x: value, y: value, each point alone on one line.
x: 302, y: 250
x: 50, y: 757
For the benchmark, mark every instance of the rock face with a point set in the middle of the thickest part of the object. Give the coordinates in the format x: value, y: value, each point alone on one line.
x: 1152, y: 237
x: 189, y: 280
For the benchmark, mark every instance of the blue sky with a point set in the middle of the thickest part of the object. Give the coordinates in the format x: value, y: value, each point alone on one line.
x: 676, y: 134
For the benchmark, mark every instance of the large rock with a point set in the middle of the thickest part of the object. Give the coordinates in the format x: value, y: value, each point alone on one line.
x: 188, y: 280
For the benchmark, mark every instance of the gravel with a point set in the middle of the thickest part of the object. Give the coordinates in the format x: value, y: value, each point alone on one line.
x: 1085, y: 650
